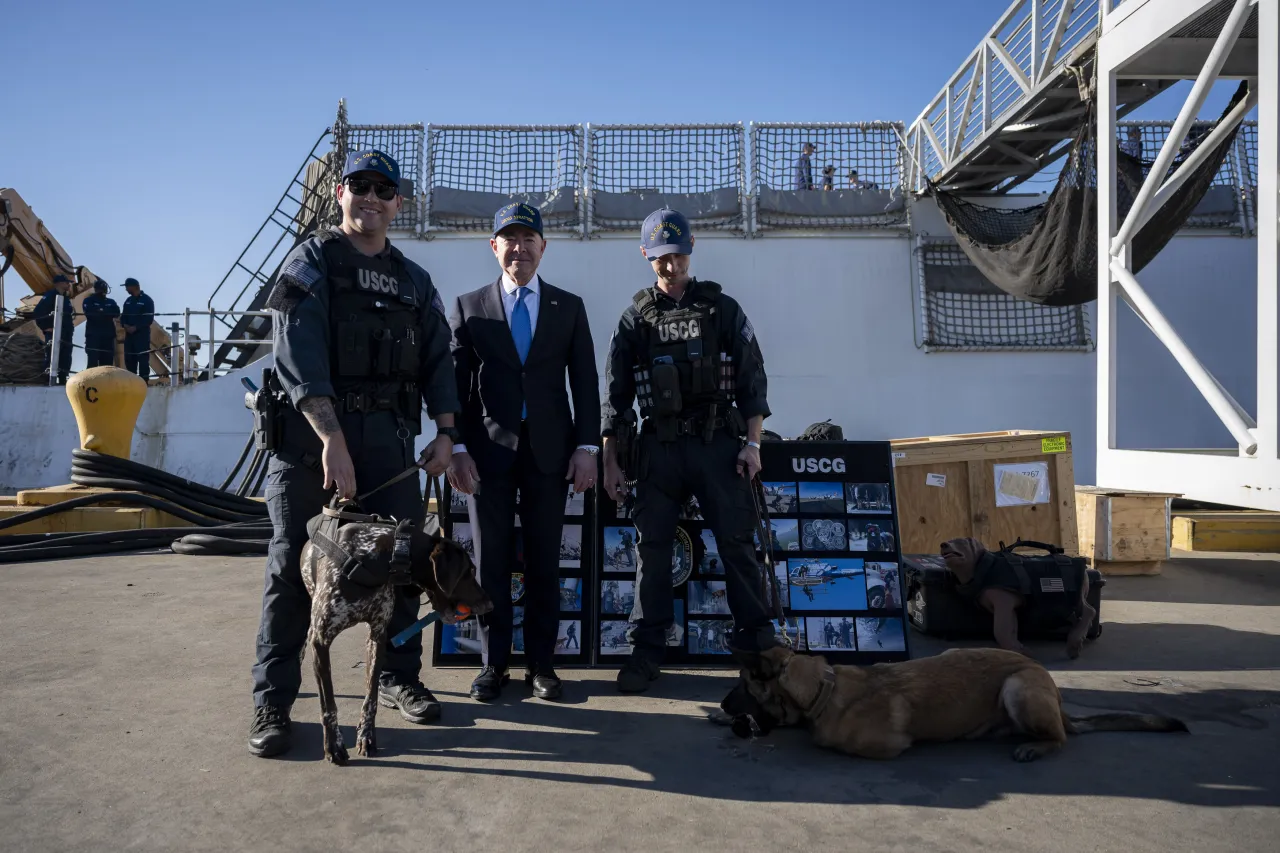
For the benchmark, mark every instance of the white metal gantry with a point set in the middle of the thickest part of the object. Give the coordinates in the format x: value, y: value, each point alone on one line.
x: 1181, y: 39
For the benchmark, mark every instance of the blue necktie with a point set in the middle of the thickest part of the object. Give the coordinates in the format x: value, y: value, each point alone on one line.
x: 522, y: 331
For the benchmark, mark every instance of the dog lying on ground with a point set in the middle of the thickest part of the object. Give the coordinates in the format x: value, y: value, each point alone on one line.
x: 881, y: 710
x: 1000, y: 598
x: 438, y: 566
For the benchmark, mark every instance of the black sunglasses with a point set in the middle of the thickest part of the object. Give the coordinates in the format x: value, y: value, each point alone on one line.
x: 361, y: 186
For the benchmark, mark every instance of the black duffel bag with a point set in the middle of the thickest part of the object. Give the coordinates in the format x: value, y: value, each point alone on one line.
x: 939, y: 605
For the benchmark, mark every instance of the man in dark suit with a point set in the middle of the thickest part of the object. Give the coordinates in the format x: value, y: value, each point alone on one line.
x: 514, y: 343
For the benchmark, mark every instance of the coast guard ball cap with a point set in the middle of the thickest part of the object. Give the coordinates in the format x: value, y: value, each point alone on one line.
x: 666, y: 231
x: 518, y: 213
x: 372, y: 161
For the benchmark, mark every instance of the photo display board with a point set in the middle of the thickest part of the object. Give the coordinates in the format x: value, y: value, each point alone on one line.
x: 459, y: 645
x: 834, y: 530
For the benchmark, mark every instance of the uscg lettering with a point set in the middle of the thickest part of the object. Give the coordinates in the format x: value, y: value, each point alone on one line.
x: 811, y: 465
x: 377, y: 282
x: 682, y: 331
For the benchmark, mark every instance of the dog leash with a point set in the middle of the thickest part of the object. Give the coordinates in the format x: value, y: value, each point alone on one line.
x: 766, y: 546
x: 434, y: 616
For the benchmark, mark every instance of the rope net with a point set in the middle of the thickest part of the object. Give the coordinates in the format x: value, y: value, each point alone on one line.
x: 472, y: 172
x: 1142, y: 140
x: 964, y: 311
x: 695, y: 169
x: 828, y: 175
x: 1047, y: 253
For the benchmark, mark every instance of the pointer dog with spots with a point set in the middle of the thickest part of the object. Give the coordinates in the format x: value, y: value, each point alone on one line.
x: 439, y: 567
x: 881, y: 710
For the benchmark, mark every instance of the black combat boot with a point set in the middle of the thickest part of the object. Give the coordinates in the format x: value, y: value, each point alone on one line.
x: 269, y: 734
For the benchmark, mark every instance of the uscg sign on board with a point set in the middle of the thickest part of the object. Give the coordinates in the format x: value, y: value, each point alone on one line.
x: 816, y: 465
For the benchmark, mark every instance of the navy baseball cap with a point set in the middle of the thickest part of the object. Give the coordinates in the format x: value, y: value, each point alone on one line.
x: 131, y: 282
x: 372, y: 160
x: 518, y: 213
x: 664, y: 232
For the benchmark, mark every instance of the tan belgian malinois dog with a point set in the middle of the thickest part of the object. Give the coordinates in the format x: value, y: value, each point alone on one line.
x: 880, y: 710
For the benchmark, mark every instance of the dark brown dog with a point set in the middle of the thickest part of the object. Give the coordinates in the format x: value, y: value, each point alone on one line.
x: 439, y: 567
x: 878, y: 711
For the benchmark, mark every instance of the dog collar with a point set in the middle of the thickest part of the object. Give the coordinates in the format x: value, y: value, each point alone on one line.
x: 825, y: 691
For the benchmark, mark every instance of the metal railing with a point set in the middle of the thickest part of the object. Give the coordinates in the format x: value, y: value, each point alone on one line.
x: 191, y: 372
x: 1025, y: 48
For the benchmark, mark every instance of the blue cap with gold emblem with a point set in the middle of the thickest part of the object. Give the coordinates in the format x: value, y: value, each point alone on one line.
x: 665, y: 232
x: 372, y: 160
x: 518, y: 213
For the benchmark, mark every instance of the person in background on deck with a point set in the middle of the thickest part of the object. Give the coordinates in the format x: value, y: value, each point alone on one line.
x: 43, y: 315
x: 136, y: 318
x: 100, y: 313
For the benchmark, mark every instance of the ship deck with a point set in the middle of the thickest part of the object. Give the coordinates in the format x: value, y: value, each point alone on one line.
x: 125, y: 706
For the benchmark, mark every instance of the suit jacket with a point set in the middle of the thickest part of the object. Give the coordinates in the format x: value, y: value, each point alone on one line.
x: 494, y: 385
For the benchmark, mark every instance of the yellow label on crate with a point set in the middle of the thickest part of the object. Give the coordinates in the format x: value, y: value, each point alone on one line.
x: 1054, y: 445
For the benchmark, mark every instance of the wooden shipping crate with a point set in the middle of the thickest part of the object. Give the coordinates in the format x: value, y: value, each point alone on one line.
x: 1124, y: 532
x: 1245, y: 531
x: 993, y: 486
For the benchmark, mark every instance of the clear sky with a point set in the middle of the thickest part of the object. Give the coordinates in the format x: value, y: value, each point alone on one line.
x: 153, y: 138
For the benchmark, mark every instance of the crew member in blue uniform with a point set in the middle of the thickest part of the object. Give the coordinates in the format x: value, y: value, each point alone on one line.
x: 100, y: 313
x: 136, y: 318
x: 687, y: 354
x: 361, y: 342
x: 43, y: 315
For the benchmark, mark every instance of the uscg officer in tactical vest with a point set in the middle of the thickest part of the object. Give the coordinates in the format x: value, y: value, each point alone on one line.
x: 43, y: 315
x: 687, y: 354
x: 100, y: 313
x: 361, y: 343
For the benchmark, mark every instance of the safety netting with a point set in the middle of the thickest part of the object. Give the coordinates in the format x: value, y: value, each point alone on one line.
x: 1047, y: 253
x: 1220, y: 207
x: 403, y: 142
x: 828, y: 175
x: 961, y: 310
x: 634, y: 170
x: 473, y: 171
x: 1247, y: 154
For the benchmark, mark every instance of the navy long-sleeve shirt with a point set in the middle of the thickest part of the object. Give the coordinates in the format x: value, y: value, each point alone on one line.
x: 737, y: 338
x: 99, y: 315
x: 43, y: 314
x: 139, y: 311
x: 300, y: 329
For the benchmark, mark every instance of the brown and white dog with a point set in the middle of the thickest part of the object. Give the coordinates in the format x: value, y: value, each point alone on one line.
x: 881, y: 710
x: 439, y: 567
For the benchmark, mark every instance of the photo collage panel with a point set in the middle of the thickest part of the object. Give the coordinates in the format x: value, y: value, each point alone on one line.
x: 460, y: 644
x: 833, y: 532
x: 701, y: 622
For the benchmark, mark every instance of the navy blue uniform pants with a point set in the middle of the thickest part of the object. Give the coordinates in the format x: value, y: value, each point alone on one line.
x: 294, y: 494
x: 137, y: 359
x: 100, y: 349
x: 64, y: 354
x: 668, y: 472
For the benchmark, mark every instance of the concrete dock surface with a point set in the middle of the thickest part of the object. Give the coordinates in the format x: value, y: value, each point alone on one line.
x: 124, y: 710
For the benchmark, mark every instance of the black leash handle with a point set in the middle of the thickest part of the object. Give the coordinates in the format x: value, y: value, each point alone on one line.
x: 766, y: 546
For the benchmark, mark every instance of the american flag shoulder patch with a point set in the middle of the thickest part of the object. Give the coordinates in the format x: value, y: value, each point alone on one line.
x: 1051, y: 585
x: 748, y: 331
x: 301, y: 272
x: 438, y: 303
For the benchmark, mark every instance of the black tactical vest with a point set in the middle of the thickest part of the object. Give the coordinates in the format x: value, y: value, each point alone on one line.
x: 374, y: 329
x: 681, y: 368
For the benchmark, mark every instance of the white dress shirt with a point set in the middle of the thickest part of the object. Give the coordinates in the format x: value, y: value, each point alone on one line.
x: 532, y: 301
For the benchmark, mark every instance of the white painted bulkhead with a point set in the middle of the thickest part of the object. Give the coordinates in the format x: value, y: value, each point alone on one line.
x: 836, y: 316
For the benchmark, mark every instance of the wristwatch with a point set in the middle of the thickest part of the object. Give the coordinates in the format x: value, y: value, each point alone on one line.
x: 450, y: 433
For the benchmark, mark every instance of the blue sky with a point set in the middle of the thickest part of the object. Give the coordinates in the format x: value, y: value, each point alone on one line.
x: 154, y: 138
